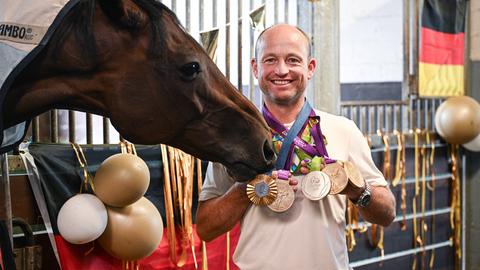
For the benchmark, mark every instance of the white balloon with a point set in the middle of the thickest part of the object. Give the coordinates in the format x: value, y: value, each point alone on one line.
x: 473, y: 145
x: 82, y: 219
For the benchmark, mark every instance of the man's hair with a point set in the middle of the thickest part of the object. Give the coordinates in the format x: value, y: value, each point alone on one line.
x: 308, y: 40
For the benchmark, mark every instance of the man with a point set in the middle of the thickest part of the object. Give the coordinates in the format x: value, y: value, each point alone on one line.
x: 311, y: 234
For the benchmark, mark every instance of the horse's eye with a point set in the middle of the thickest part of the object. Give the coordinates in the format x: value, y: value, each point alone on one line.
x: 190, y: 71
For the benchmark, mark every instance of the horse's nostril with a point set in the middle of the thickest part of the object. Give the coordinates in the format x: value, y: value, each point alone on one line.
x: 268, y: 151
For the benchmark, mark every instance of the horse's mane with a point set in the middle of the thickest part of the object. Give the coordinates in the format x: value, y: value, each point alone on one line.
x: 80, y: 21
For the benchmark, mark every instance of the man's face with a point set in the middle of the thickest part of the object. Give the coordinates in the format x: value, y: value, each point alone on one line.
x: 282, y: 66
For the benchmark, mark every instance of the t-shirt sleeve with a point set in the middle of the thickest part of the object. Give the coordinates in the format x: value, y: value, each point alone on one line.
x: 361, y: 156
x: 216, y: 183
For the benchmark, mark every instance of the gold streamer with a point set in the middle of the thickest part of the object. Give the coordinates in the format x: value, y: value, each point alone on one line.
x: 400, y: 172
x: 87, y: 177
x: 386, y: 156
x: 228, y: 251
x: 169, y: 209
x: 416, y: 237
x: 350, y: 235
x: 199, y: 186
x: 423, y: 225
x: 455, y: 213
x: 431, y: 187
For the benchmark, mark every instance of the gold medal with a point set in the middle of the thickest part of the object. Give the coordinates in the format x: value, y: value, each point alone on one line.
x: 285, y: 197
x: 316, y: 185
x: 353, y: 174
x: 262, y: 190
x: 337, y: 175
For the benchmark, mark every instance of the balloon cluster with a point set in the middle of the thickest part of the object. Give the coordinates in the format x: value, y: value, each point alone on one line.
x: 457, y: 120
x: 128, y: 226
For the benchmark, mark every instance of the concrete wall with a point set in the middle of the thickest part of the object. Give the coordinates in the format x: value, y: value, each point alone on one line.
x: 371, y: 41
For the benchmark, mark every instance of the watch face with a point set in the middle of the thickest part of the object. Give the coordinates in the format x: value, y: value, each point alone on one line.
x: 365, y: 200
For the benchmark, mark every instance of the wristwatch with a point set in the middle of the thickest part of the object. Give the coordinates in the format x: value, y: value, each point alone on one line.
x: 365, y: 197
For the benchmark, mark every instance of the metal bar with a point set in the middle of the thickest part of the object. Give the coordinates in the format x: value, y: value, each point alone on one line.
x: 227, y: 39
x: 418, y: 105
x: 71, y: 126
x: 53, y: 126
x: 408, y: 146
x: 400, y: 254
x: 406, y: 48
x: 106, y: 130
x: 426, y: 108
x: 36, y: 129
x: 240, y: 55
x: 410, y: 216
x: 89, y: 128
x: 372, y: 102
x: 5, y: 194
x: 187, y: 17
x: 214, y: 12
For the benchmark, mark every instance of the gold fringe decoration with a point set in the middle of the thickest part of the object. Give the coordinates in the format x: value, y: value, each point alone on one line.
x: 431, y: 168
x: 170, y: 215
x: 87, y: 177
x: 416, y: 237
x: 455, y: 213
x: 386, y: 154
x: 130, y: 265
x: 423, y: 224
x: 400, y: 174
x: 199, y: 187
x: 178, y: 170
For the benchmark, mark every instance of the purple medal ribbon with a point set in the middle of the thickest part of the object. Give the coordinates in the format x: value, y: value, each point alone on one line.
x: 316, y: 132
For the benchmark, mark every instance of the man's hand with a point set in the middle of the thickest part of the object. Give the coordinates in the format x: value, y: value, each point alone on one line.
x: 291, y: 180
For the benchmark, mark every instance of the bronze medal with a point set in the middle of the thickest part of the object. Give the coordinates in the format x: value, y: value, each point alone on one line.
x: 353, y: 174
x: 285, y: 197
x: 337, y: 175
x: 262, y: 190
x: 316, y: 185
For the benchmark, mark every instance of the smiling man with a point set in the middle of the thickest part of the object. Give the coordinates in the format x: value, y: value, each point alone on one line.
x: 309, y: 232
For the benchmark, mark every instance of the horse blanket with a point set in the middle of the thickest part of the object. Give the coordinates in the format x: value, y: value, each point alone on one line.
x: 26, y: 26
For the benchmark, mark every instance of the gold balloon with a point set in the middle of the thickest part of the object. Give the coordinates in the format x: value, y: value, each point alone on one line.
x: 121, y: 180
x: 458, y: 119
x: 133, y: 232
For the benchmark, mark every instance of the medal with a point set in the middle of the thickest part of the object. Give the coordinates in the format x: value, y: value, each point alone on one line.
x: 316, y: 185
x: 353, y: 174
x: 285, y: 197
x: 338, y: 177
x: 262, y: 190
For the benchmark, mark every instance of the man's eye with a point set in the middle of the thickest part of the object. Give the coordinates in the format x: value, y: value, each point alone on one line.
x: 269, y: 61
x: 293, y: 60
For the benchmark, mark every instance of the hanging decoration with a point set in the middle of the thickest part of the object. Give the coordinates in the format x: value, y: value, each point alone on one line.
x: 83, y: 217
x: 210, y: 42
x: 457, y: 119
x: 257, y: 18
x: 441, y: 57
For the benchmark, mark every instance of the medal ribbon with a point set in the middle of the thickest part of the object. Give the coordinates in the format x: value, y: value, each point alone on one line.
x: 291, y: 136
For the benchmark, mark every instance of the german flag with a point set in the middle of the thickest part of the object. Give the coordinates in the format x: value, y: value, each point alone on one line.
x: 442, y: 48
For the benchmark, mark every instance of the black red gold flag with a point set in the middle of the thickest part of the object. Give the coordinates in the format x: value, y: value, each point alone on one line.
x: 441, y: 59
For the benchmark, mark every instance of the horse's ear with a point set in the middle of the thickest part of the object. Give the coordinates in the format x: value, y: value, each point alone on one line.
x: 125, y: 13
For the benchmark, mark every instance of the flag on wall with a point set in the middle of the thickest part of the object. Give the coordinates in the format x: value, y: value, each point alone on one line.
x: 441, y: 56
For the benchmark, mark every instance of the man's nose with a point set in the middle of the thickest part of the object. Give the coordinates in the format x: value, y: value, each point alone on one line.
x: 281, y: 68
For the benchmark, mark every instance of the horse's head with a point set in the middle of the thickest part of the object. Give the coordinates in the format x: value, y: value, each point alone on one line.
x: 130, y: 60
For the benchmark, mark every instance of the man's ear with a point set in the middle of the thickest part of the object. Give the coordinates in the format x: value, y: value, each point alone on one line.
x: 312, y: 65
x: 254, y: 65
x: 124, y: 13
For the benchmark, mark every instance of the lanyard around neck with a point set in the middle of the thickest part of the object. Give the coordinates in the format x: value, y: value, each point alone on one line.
x: 291, y: 136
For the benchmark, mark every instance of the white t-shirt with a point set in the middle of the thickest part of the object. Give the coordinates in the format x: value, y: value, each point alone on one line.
x: 310, y: 235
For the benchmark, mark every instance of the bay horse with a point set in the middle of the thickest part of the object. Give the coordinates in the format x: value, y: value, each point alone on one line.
x: 131, y: 61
